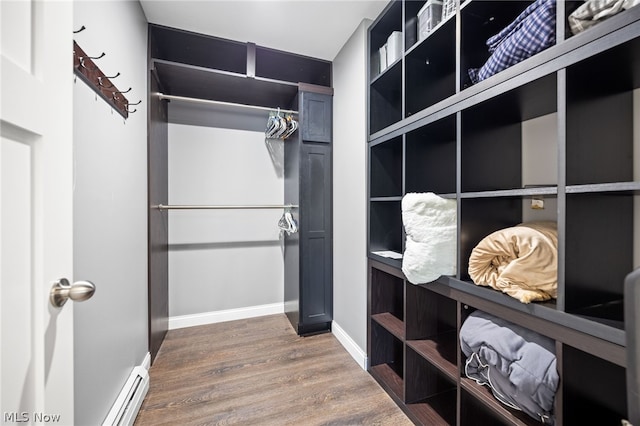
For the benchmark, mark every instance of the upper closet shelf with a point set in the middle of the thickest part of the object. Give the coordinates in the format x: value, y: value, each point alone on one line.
x: 203, y: 83
x: 225, y: 104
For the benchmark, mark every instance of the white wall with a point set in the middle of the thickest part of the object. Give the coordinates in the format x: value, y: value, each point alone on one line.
x: 349, y: 191
x: 224, y: 259
x: 110, y: 209
x: 540, y: 164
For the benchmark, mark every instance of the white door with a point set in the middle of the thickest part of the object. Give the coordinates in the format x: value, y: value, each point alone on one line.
x: 36, y: 180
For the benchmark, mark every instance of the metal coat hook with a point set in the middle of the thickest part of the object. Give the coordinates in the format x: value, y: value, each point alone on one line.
x: 135, y: 109
x: 108, y: 78
x: 93, y: 57
x: 115, y: 93
x: 82, y: 58
x: 82, y: 28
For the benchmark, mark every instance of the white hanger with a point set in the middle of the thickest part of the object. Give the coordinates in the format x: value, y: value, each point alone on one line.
x: 287, y: 223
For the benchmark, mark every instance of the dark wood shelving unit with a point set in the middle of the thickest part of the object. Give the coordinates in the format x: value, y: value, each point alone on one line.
x: 431, y: 130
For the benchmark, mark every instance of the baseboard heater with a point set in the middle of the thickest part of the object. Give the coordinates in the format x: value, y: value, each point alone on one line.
x: 125, y: 409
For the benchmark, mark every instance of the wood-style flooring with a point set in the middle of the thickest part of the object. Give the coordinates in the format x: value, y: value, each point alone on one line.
x: 259, y: 372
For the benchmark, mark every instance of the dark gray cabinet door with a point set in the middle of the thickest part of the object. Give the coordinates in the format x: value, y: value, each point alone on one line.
x: 316, y: 237
x: 317, y: 117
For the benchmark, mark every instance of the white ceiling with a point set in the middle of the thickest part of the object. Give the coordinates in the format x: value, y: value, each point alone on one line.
x: 316, y: 28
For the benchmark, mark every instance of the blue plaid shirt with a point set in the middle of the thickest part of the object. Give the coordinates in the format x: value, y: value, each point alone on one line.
x: 531, y: 32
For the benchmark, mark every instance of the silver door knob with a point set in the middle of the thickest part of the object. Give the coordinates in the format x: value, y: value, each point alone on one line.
x: 61, y: 291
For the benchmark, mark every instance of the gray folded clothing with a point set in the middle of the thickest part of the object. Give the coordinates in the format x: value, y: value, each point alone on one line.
x: 519, y: 365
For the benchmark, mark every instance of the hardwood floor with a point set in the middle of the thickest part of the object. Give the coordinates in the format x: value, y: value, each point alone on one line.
x: 259, y: 372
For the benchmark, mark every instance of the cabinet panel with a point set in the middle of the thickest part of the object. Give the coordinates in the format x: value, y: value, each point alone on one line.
x: 317, y: 118
x: 308, y: 183
x: 315, y: 235
x: 315, y: 304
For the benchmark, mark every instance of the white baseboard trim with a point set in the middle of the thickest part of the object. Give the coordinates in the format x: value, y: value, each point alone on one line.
x: 127, y: 404
x: 354, y: 350
x: 204, y: 318
x: 146, y: 362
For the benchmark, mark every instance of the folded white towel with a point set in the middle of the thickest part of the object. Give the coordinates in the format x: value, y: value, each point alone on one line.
x: 430, y: 223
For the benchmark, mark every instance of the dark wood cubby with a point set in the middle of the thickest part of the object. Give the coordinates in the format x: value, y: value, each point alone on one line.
x: 191, y: 48
x: 431, y: 158
x: 492, y: 144
x: 430, y: 395
x: 284, y: 66
x: 591, y: 382
x: 479, y: 21
x: 385, y: 226
x: 390, y: 21
x: 561, y: 126
x: 388, y: 362
x: 480, y: 217
x: 387, y: 91
x: 600, y: 121
x: 386, y: 165
x: 594, y: 277
x: 430, y: 69
x: 386, y: 85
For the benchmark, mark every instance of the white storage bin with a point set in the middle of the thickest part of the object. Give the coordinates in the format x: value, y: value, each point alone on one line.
x: 383, y: 58
x: 428, y: 17
x: 448, y: 9
x: 394, y: 47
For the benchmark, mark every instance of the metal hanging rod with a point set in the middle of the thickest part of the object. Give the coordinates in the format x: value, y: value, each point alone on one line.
x: 228, y: 104
x: 205, y: 207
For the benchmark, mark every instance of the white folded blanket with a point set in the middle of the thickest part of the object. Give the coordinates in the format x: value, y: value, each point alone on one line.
x: 430, y: 224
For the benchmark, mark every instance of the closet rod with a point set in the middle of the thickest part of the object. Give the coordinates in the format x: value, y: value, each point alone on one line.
x: 204, y: 207
x: 230, y: 104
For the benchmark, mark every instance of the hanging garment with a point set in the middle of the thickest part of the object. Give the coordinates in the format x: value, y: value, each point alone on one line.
x: 533, y: 31
x: 430, y: 223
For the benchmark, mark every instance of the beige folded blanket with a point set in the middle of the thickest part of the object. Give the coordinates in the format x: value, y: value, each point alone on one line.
x: 521, y: 261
